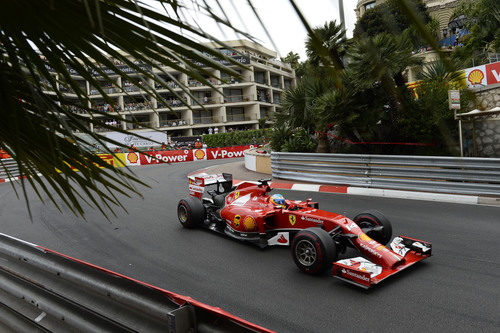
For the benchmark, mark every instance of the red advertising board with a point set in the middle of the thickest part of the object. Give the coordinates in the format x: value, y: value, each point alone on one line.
x: 176, y: 156
x: 166, y: 156
x: 227, y: 152
x: 493, y: 73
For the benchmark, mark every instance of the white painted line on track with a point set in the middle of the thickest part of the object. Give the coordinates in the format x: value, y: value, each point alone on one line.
x: 306, y: 187
x: 454, y: 198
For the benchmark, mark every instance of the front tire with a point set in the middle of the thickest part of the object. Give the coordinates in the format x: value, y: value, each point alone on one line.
x: 313, y: 250
x: 190, y: 212
x: 374, y: 218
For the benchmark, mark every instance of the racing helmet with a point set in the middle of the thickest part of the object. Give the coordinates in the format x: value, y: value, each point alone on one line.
x: 278, y: 200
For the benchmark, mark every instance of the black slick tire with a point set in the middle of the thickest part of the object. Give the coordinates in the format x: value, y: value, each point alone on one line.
x: 190, y: 212
x: 373, y: 218
x: 313, y: 250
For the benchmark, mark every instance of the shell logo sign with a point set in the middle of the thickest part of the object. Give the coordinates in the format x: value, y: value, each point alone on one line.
x: 133, y: 159
x: 249, y: 223
x: 484, y: 75
x: 200, y: 154
x: 475, y: 77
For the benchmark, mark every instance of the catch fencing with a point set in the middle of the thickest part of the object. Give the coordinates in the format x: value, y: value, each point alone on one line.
x: 463, y: 175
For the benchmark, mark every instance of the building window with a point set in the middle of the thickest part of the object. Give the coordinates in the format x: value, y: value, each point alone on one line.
x: 235, y: 114
x: 370, y: 5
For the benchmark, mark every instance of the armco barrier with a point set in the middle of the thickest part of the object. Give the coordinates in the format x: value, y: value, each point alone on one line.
x: 42, y: 290
x: 463, y: 175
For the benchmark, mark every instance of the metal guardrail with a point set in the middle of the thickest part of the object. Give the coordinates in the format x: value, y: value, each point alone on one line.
x: 425, y: 173
x: 8, y: 167
x: 44, y: 291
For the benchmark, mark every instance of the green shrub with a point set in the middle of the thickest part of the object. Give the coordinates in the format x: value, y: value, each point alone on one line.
x: 279, y: 135
x: 237, y: 138
x: 300, y: 141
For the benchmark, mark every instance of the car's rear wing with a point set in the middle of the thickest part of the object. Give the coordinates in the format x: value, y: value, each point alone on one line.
x: 198, y: 182
x: 363, y: 273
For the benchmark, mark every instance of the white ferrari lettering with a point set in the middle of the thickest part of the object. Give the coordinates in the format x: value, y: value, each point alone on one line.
x: 359, y: 276
x: 310, y: 219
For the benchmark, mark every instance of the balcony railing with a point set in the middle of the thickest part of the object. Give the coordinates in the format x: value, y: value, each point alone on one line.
x: 171, y: 103
x: 173, y: 123
x: 207, y: 120
x: 170, y: 84
x: 137, y: 106
x: 239, y: 117
x: 206, y: 100
x: 140, y: 124
x: 102, y: 129
x: 236, y: 80
x: 107, y: 90
x: 238, y: 98
x: 131, y: 88
x: 275, y: 84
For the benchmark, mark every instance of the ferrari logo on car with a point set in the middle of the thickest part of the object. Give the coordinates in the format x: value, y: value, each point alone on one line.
x: 236, y: 221
x: 292, y: 219
x: 236, y: 195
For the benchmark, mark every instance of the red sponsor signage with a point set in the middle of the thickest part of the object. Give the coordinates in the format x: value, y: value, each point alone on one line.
x: 166, y: 156
x: 176, y: 156
x: 493, y: 73
x: 227, y: 152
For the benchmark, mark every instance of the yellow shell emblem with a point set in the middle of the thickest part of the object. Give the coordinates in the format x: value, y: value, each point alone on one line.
x: 476, y: 76
x: 200, y: 154
x: 249, y: 223
x: 292, y: 219
x: 236, y: 221
x: 236, y: 195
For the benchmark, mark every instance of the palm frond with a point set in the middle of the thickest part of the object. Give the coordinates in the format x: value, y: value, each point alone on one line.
x: 53, y: 42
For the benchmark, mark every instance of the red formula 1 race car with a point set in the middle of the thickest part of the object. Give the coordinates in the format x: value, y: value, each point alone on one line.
x: 247, y: 212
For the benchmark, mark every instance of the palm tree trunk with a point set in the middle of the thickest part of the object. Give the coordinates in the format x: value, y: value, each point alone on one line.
x: 323, y: 145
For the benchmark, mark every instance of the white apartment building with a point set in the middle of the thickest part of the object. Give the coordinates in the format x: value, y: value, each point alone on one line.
x: 237, y: 104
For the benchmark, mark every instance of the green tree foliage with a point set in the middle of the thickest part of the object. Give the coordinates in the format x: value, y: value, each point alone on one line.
x: 333, y: 42
x: 482, y: 20
x: 300, y: 141
x: 292, y: 58
x: 39, y: 39
x: 237, y: 138
x: 388, y: 18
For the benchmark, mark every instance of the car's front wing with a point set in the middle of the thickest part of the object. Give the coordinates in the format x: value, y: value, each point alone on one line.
x: 363, y: 273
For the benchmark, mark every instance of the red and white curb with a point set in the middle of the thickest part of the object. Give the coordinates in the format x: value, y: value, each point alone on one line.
x: 376, y: 192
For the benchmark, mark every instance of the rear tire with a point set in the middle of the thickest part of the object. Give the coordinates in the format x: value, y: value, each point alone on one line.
x: 373, y: 218
x: 313, y: 250
x: 190, y: 212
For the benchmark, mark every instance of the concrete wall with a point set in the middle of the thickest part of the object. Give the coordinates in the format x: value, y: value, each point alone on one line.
x: 258, y: 162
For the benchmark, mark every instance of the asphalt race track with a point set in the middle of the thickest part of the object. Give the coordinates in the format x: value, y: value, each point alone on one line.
x: 458, y: 289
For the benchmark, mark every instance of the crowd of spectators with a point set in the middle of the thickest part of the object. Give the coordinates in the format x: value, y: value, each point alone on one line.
x: 173, y: 102
x: 173, y: 123
x: 137, y: 106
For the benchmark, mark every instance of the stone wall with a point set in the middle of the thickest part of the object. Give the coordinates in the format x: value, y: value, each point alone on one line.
x: 489, y: 96
x: 481, y: 135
